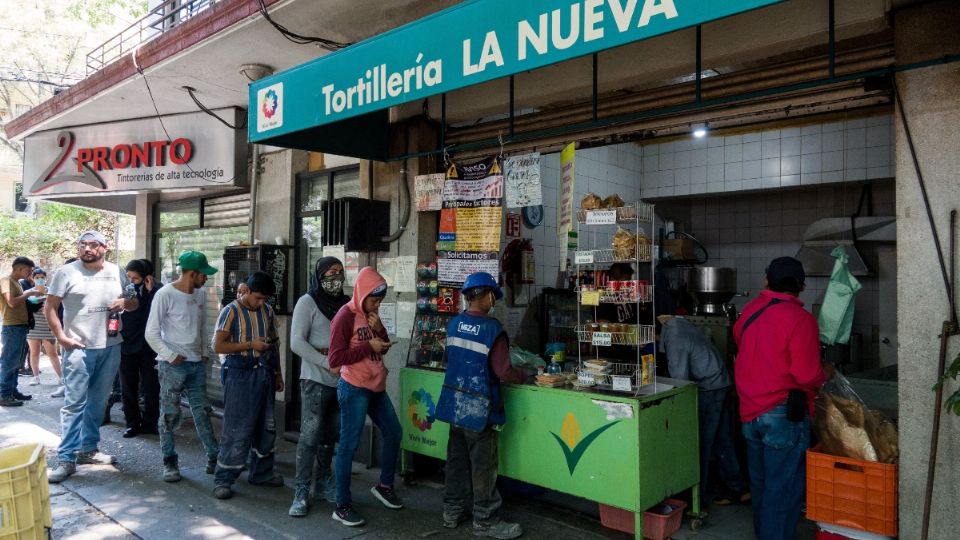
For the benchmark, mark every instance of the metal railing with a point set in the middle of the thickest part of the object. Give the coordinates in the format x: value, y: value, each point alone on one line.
x: 160, y: 19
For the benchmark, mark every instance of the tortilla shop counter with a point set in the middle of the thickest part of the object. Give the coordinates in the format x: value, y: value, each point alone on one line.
x: 620, y: 450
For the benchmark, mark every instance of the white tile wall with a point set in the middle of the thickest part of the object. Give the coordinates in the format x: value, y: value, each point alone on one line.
x: 843, y: 151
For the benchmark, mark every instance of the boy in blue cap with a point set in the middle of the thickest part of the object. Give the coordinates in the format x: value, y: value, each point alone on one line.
x: 478, y: 360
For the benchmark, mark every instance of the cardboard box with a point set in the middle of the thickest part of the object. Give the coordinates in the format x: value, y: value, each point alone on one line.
x: 679, y: 249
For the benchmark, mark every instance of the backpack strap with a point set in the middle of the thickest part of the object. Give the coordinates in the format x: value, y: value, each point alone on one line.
x: 756, y: 314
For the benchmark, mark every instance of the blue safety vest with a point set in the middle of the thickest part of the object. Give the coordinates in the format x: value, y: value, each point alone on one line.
x: 470, y: 397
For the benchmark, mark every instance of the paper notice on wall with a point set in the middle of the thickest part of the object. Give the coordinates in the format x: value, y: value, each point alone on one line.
x: 565, y: 202
x: 387, y: 267
x: 447, y: 234
x: 351, y: 266
x: 478, y: 229
x: 522, y: 178
x: 513, y: 322
x: 476, y: 185
x: 334, y: 251
x: 388, y: 316
x: 406, y: 279
x: 406, y: 313
x: 453, y: 267
x: 429, y: 191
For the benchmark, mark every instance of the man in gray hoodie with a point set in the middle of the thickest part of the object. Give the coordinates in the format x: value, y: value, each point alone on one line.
x: 320, y: 412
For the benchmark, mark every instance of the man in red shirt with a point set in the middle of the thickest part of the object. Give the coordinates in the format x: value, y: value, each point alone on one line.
x: 777, y: 374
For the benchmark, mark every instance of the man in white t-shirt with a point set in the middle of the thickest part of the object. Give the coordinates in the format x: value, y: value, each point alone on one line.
x: 90, y: 290
x: 176, y: 330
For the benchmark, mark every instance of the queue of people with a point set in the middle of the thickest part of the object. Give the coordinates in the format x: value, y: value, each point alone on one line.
x: 162, y: 352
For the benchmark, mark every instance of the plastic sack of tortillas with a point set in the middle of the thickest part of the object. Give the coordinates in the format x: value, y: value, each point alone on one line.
x: 521, y: 358
x: 846, y: 427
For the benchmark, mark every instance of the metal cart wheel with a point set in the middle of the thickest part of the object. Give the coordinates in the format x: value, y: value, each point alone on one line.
x: 695, y: 524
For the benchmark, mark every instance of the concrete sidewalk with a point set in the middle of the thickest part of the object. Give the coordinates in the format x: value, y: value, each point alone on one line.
x: 129, y: 500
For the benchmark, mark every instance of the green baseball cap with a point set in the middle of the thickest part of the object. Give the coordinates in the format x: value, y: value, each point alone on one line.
x: 194, y: 260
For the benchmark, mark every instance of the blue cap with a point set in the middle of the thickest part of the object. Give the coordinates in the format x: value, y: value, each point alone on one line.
x: 482, y: 279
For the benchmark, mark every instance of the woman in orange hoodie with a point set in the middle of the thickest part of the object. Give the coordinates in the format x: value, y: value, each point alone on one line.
x: 358, y: 343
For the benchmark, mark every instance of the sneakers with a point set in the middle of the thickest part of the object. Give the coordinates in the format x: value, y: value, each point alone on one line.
x: 171, y: 472
x: 64, y: 470
x: 452, y: 522
x: 276, y: 481
x: 497, y: 529
x: 94, y: 457
x: 301, y: 504
x: 222, y: 492
x: 59, y: 392
x: 348, y: 516
x: 10, y: 402
x: 387, y: 496
x: 326, y: 489
x: 22, y: 397
x: 211, y: 465
x: 35, y: 381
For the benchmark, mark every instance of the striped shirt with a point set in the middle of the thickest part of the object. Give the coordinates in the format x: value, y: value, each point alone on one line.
x: 244, y: 325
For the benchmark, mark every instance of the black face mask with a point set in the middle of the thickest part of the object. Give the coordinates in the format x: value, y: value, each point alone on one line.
x: 332, y: 285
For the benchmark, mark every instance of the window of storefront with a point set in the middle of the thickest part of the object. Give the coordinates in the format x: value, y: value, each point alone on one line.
x: 313, y: 189
x: 208, y: 226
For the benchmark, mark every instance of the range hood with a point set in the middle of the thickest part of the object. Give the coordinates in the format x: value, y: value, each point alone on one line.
x: 824, y: 235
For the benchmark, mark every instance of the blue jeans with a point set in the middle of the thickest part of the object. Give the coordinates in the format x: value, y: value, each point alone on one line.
x: 14, y: 340
x: 715, y: 441
x: 189, y: 377
x: 776, y: 450
x: 249, y: 428
x: 88, y: 380
x: 355, y: 405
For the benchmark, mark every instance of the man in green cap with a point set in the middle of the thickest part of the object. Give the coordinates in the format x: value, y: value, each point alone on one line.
x: 176, y: 330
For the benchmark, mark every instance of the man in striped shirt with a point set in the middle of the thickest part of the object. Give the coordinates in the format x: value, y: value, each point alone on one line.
x: 247, y: 336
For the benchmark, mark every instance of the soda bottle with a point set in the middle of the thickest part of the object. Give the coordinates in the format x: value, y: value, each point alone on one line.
x: 113, y: 324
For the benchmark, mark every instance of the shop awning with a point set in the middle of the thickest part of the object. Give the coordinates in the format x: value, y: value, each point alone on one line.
x: 338, y: 103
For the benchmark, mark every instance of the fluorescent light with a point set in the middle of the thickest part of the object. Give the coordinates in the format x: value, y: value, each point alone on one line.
x: 699, y: 130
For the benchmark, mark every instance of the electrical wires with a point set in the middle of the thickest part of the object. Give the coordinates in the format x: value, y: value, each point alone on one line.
x: 298, y: 38
x: 190, y: 90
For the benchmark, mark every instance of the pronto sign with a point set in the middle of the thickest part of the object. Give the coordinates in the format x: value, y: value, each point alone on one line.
x: 195, y: 150
x: 467, y: 44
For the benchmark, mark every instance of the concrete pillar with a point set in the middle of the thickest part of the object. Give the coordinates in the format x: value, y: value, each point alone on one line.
x: 144, y: 226
x: 932, y: 106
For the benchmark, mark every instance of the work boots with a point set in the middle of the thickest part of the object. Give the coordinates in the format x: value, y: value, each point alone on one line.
x: 171, y: 472
x: 301, y: 504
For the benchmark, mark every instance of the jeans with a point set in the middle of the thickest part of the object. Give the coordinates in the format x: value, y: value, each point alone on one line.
x: 472, y: 460
x: 776, y: 450
x: 189, y: 377
x: 138, y: 372
x: 319, y: 427
x: 355, y: 405
x: 716, y: 441
x: 249, y: 428
x: 14, y: 341
x: 87, y: 379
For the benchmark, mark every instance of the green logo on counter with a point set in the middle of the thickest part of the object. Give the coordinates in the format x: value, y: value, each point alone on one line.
x: 570, y: 440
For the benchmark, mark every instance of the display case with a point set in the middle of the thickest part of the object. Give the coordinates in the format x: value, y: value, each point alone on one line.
x: 558, y: 319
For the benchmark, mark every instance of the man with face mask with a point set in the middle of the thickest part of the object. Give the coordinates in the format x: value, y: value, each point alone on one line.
x: 176, y: 331
x: 91, y: 290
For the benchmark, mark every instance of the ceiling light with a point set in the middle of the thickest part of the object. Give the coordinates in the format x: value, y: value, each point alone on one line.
x: 699, y: 130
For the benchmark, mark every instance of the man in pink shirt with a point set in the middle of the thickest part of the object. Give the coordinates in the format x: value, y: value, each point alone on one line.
x: 777, y: 374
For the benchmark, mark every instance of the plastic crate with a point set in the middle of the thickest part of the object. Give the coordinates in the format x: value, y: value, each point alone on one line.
x: 655, y: 526
x: 24, y: 493
x: 852, y: 493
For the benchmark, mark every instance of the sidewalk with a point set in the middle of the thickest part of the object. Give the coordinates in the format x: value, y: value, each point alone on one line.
x: 129, y: 500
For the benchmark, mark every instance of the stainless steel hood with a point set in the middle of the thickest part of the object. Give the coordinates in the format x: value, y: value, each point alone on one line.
x: 824, y: 235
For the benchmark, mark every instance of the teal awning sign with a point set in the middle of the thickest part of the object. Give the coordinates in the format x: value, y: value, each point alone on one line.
x: 470, y: 43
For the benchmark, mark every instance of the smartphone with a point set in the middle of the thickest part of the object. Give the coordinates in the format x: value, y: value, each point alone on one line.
x: 273, y: 340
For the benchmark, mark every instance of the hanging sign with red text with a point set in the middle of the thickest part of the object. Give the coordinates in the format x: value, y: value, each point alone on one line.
x: 185, y: 151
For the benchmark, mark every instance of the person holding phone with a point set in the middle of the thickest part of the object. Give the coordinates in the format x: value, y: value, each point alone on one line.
x: 176, y: 330
x: 358, y: 343
x: 247, y: 336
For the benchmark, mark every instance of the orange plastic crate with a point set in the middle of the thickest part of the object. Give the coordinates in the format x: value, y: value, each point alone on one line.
x: 852, y: 493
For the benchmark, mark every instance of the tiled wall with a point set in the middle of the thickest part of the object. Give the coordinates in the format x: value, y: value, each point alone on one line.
x: 747, y: 231
x: 841, y: 151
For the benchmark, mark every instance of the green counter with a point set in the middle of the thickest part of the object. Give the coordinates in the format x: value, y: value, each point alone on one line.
x: 619, y: 450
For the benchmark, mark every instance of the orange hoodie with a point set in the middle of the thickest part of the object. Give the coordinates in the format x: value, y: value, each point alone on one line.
x: 350, y: 335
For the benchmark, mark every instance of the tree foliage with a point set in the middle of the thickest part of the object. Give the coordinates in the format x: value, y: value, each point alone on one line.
x: 50, y: 236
